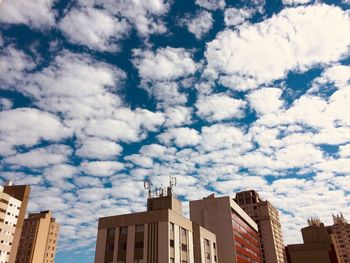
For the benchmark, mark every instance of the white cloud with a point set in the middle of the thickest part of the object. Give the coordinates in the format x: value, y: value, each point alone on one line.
x: 235, y: 16
x: 180, y: 136
x: 296, y: 2
x: 145, y: 16
x: 94, y: 28
x: 36, y: 13
x: 13, y: 64
x: 296, y: 39
x: 265, y: 100
x: 5, y: 104
x: 41, y: 157
x: 177, y: 116
x: 219, y: 107
x: 28, y: 126
x: 339, y: 75
x: 99, y: 149
x: 345, y: 150
x: 200, y: 24
x: 165, y: 64
x: 101, y: 168
x: 75, y: 86
x: 211, y: 4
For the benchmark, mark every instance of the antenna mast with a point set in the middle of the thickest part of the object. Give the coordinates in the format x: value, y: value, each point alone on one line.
x: 147, y: 184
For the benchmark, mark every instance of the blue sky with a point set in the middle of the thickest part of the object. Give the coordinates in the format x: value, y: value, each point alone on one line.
x: 224, y: 95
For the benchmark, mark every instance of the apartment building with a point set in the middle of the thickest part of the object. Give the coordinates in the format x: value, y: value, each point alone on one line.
x: 13, y: 206
x: 340, y: 230
x: 236, y: 233
x: 9, y: 211
x: 39, y: 237
x: 267, y: 218
x: 318, y: 246
x: 159, y: 235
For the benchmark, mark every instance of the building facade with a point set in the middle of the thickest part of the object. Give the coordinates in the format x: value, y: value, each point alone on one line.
x: 269, y: 226
x: 340, y: 230
x: 13, y: 207
x: 9, y: 211
x: 39, y: 237
x: 236, y: 233
x: 318, y: 246
x: 159, y: 235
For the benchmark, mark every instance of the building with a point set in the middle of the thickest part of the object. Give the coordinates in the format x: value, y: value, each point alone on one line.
x: 318, y: 246
x: 159, y: 235
x: 39, y: 239
x: 236, y: 233
x: 13, y: 206
x: 340, y: 230
x: 269, y: 226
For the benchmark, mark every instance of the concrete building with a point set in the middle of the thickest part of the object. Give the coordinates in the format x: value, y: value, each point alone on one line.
x: 159, y: 235
x: 318, y: 246
x: 39, y: 239
x: 13, y: 206
x: 269, y: 226
x: 236, y: 233
x: 340, y: 230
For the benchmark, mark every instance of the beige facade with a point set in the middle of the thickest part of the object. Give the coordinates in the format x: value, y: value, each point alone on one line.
x: 39, y: 239
x: 9, y: 211
x: 318, y: 246
x: 267, y: 219
x: 340, y: 230
x: 13, y: 206
x: 236, y: 233
x: 160, y: 235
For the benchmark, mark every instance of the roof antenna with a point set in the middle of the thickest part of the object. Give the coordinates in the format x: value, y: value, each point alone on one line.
x: 147, y: 184
x: 172, y: 183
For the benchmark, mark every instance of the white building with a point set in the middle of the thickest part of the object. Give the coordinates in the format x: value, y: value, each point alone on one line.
x: 9, y: 211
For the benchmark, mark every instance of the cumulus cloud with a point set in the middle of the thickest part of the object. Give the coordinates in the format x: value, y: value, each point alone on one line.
x: 37, y: 14
x: 265, y: 100
x: 94, y: 28
x: 13, y: 64
x: 211, y: 4
x: 296, y: 2
x: 293, y: 40
x: 95, y: 148
x: 236, y: 16
x: 101, y: 168
x: 28, y: 126
x: 219, y: 107
x: 5, y: 104
x: 41, y: 157
x: 146, y: 17
x: 165, y: 64
x: 180, y: 136
x: 165, y: 73
x: 178, y: 116
x: 200, y: 24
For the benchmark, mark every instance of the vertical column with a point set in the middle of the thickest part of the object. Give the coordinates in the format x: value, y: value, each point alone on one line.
x: 163, y: 241
x: 116, y: 245
x: 190, y: 247
x: 101, y: 245
x: 177, y: 243
x: 202, y: 242
x: 145, y: 243
x: 212, y: 252
x: 130, y: 245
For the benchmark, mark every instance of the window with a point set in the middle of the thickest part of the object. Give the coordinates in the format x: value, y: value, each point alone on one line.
x: 171, y: 243
x: 110, y: 231
x: 123, y: 230
x: 183, y: 232
x: 184, y: 247
x: 139, y: 228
